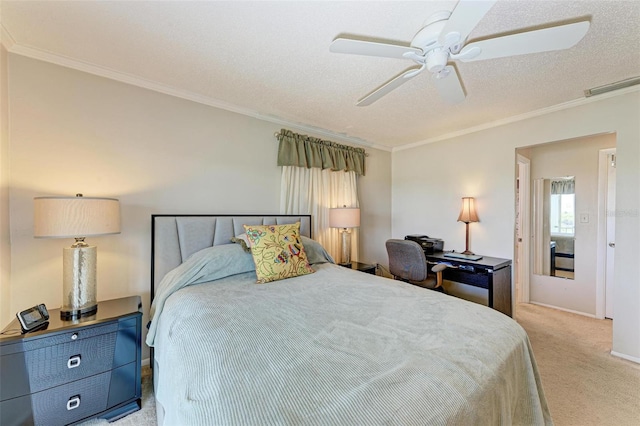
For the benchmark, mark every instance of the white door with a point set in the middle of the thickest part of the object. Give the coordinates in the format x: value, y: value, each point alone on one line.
x: 611, y: 233
x: 523, y: 226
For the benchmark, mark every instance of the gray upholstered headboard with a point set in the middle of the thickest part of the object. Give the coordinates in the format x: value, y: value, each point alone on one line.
x: 175, y: 237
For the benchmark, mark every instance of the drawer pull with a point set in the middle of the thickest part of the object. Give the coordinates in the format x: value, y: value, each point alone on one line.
x: 74, y: 336
x: 73, y: 403
x: 73, y: 362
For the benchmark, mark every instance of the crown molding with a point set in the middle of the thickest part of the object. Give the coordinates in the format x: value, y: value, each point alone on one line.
x: 179, y: 93
x: 6, y: 39
x: 11, y: 46
x: 532, y: 114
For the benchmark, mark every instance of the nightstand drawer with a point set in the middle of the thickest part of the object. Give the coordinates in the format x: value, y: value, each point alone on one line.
x: 73, y: 336
x: 55, y: 365
x: 60, y: 405
x: 71, y: 402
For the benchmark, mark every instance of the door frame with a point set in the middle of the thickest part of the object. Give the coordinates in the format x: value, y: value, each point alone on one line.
x: 601, y: 267
x: 524, y: 201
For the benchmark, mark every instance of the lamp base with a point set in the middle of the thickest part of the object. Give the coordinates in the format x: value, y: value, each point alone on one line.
x: 78, y: 313
x: 79, y: 282
x: 346, y: 247
x: 466, y: 245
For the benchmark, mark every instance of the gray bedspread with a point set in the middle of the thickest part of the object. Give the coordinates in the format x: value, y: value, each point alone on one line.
x: 340, y: 347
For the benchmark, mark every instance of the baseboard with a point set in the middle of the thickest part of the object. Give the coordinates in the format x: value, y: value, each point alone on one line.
x: 145, y: 362
x: 563, y: 309
x: 627, y: 357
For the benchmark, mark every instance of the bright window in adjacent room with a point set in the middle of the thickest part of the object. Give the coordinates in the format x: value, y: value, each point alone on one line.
x: 562, y: 217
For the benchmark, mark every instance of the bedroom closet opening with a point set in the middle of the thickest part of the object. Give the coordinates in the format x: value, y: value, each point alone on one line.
x: 564, y: 240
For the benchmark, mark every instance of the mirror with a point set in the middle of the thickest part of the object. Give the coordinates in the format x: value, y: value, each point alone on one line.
x: 554, y: 219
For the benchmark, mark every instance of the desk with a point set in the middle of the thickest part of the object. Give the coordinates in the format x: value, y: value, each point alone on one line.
x: 491, y: 273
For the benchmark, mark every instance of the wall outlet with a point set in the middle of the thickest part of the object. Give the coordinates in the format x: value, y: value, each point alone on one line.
x: 584, y: 217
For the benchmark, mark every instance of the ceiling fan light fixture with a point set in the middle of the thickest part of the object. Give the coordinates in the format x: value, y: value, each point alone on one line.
x: 437, y: 60
x: 611, y: 87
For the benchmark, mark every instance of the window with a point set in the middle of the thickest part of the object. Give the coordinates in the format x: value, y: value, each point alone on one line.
x: 562, y: 218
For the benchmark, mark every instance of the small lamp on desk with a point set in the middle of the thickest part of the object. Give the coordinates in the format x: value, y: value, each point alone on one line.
x: 77, y: 217
x: 467, y: 215
x: 345, y: 218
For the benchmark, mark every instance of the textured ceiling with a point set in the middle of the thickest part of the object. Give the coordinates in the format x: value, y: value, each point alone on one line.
x: 271, y: 59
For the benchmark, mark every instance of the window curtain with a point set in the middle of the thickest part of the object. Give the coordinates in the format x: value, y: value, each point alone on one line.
x: 306, y: 151
x: 563, y: 186
x: 314, y: 190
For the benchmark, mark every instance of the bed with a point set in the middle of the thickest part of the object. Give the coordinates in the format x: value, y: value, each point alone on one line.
x: 332, y: 347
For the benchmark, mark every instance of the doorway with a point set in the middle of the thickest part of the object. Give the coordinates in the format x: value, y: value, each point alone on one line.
x: 563, y: 162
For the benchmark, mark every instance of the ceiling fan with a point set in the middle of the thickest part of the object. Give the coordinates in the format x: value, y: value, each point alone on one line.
x: 442, y: 40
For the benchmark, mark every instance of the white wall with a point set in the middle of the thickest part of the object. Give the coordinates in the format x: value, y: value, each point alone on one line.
x: 5, y: 242
x: 429, y: 180
x: 579, y: 158
x: 74, y: 132
x: 375, y: 208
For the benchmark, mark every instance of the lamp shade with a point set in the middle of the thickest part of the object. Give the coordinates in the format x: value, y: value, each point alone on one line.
x: 71, y: 217
x: 468, y: 212
x: 344, y: 217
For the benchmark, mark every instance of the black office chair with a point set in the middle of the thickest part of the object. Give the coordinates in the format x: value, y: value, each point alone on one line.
x: 407, y: 263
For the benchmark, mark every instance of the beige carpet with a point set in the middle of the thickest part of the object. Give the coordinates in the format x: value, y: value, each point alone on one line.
x: 584, y: 384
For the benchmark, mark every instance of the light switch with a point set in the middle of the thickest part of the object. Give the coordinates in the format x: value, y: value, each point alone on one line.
x: 584, y: 217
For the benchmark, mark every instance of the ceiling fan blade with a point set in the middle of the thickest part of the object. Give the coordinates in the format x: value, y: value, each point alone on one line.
x: 462, y: 21
x: 448, y: 85
x: 370, y: 48
x: 545, y: 40
x: 392, y: 84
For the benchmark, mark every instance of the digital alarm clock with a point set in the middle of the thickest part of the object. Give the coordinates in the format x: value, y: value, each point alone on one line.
x: 33, y: 318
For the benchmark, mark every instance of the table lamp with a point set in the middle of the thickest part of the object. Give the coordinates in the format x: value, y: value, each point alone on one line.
x: 467, y: 215
x: 77, y: 217
x: 345, y: 218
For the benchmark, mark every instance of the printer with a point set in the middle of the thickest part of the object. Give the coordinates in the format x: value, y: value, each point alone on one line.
x: 428, y: 244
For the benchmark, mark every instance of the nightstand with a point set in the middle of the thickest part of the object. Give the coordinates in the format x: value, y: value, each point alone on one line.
x: 73, y: 370
x: 362, y: 267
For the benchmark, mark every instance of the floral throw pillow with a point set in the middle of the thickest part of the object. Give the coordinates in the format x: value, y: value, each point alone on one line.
x: 277, y: 251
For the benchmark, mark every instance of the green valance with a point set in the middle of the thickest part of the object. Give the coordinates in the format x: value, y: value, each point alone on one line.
x: 306, y: 151
x: 563, y: 186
